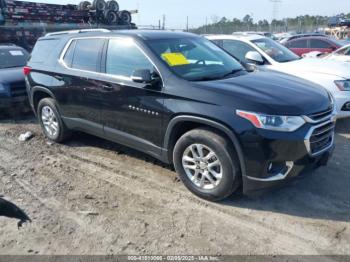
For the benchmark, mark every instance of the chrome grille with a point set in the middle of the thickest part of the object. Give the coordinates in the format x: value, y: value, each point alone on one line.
x: 321, y: 138
x: 321, y: 116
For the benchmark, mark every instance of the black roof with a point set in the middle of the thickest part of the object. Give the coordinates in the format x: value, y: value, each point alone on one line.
x: 142, y: 34
x: 155, y: 34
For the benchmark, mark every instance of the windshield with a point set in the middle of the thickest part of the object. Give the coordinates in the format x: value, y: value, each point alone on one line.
x: 13, y: 58
x: 195, y: 59
x: 275, y: 50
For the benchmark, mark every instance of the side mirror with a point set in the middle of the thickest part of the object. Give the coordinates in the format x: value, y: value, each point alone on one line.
x: 142, y: 76
x: 250, y: 67
x: 254, y: 57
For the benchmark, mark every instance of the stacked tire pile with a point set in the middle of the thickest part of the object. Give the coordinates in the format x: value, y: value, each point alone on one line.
x: 106, y: 12
x: 99, y: 11
x: 2, y: 12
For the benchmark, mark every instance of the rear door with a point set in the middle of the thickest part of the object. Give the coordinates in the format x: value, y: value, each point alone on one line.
x: 131, y: 112
x: 77, y: 85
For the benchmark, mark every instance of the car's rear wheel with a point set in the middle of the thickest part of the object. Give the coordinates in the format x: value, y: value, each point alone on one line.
x: 51, y: 121
x: 207, y: 164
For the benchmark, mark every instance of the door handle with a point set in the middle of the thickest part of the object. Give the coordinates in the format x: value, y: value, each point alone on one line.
x: 108, y: 87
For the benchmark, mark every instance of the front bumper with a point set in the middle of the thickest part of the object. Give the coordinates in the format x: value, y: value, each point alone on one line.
x: 10, y: 102
x: 252, y: 185
x: 272, y: 158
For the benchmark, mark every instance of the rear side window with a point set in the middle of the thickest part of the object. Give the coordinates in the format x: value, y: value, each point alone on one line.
x: 316, y: 43
x: 297, y: 44
x: 43, y: 49
x: 68, y: 57
x: 87, y: 54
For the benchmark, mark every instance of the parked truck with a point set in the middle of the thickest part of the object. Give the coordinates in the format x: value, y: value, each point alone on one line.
x: 22, y: 22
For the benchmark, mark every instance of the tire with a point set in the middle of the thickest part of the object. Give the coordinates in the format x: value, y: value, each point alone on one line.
x: 2, y: 4
x: 125, y: 17
x: 229, y: 165
x: 99, y: 5
x: 84, y: 5
x: 113, y: 6
x: 111, y: 17
x: 62, y: 133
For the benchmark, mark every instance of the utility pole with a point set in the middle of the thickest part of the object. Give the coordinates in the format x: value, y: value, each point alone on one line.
x: 206, y: 24
x: 164, y: 19
x: 187, y: 29
x: 275, y: 10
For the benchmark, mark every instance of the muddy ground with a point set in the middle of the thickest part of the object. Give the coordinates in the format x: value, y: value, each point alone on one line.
x: 91, y: 196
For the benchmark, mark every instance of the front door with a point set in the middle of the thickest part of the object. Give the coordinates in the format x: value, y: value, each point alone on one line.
x: 132, y: 112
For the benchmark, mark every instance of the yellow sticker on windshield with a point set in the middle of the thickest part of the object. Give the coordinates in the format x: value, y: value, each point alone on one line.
x: 175, y: 59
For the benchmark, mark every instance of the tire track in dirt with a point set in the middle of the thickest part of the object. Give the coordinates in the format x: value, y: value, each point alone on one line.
x: 151, y: 187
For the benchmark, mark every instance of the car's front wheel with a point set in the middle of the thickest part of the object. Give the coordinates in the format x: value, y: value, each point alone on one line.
x: 51, y: 121
x: 207, y: 164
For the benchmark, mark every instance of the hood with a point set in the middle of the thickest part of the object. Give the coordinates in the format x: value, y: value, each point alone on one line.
x: 322, y: 66
x: 342, y: 58
x: 267, y: 92
x: 11, y: 75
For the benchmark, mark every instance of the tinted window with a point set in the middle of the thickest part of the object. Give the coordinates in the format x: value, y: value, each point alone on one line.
x: 298, y: 44
x: 343, y: 51
x: 316, y: 43
x: 124, y: 57
x: 237, y: 49
x: 217, y: 42
x: 87, y: 54
x: 348, y: 51
x: 13, y: 58
x: 275, y: 50
x: 195, y: 58
x: 68, y: 57
x: 43, y: 49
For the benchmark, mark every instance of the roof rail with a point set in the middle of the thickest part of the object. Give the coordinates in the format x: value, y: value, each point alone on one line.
x: 102, y: 30
x: 7, y: 44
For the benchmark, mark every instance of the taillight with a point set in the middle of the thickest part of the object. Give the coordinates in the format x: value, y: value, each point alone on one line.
x: 27, y: 70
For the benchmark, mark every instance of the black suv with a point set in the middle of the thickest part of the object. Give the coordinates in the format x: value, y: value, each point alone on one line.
x: 13, y: 93
x: 185, y: 101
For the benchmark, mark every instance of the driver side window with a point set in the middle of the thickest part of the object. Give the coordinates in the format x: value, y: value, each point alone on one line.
x: 124, y: 57
x: 237, y: 49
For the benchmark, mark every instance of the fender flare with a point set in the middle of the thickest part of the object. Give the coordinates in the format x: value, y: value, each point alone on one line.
x: 41, y: 89
x: 187, y: 118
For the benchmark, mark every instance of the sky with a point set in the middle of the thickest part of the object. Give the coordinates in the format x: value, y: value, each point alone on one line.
x: 198, y: 11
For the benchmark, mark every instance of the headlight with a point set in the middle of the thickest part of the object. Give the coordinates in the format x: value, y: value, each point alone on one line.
x: 275, y: 123
x: 343, y: 85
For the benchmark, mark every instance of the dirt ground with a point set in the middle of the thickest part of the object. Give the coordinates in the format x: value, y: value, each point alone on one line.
x: 91, y: 196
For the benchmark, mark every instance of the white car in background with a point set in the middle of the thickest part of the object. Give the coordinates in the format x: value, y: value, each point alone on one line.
x: 268, y: 54
x: 342, y: 54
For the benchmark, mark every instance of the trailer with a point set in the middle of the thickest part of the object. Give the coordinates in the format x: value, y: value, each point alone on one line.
x: 339, y: 32
x: 22, y: 23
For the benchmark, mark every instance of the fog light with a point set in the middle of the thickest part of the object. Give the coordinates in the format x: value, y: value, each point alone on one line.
x: 346, y: 107
x: 276, y: 168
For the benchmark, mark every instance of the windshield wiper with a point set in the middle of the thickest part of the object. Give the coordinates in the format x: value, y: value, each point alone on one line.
x: 233, y: 72
x: 207, y: 78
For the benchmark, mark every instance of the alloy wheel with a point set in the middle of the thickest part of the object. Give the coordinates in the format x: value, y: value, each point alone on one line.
x: 202, y: 166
